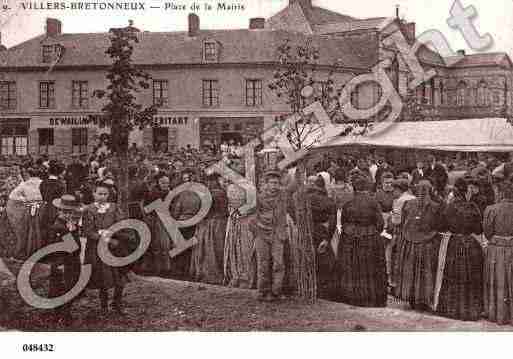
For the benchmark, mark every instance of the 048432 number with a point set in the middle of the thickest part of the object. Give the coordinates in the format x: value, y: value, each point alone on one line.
x: 38, y: 348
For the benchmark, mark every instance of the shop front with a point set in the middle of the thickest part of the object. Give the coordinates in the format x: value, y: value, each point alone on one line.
x: 64, y: 135
x: 14, y: 136
x: 215, y: 131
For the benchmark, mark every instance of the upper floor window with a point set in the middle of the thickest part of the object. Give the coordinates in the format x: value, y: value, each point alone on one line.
x: 51, y: 53
x: 253, y: 92
x: 47, y: 94
x: 8, y: 95
x: 79, y: 94
x: 210, y: 51
x: 461, y: 93
x: 160, y: 94
x: 482, y: 94
x: 210, y: 93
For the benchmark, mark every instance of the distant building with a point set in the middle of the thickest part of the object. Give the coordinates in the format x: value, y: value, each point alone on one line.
x: 211, y: 85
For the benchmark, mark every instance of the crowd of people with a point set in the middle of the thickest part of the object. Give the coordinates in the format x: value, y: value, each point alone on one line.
x: 440, y: 241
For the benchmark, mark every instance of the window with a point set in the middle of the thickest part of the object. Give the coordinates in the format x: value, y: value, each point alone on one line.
x: 47, y: 53
x: 50, y: 53
x: 355, y: 97
x: 253, y: 92
x: 482, y: 94
x: 210, y: 50
x: 47, y: 94
x: 8, y: 95
x: 442, y: 93
x: 461, y: 94
x: 45, y: 136
x: 160, y: 92
x: 79, y: 94
x: 79, y: 140
x: 210, y: 93
x: 14, y: 140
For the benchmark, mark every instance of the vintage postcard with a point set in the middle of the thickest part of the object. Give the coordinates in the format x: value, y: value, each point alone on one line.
x: 255, y: 165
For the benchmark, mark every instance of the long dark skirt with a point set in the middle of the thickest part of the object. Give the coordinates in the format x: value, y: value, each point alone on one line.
x: 31, y: 240
x: 498, y: 281
x: 362, y: 271
x: 415, y: 271
x: 461, y: 295
x: 156, y: 260
x: 207, y: 255
x: 180, y: 265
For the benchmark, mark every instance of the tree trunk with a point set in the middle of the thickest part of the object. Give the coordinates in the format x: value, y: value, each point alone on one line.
x: 302, y: 248
x: 119, y: 138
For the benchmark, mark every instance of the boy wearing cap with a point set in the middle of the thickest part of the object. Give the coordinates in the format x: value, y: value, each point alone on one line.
x: 271, y: 234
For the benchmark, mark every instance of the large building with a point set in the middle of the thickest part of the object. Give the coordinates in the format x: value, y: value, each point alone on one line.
x: 212, y: 85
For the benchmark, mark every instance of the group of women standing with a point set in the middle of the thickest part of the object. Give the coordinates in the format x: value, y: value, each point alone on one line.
x: 442, y: 262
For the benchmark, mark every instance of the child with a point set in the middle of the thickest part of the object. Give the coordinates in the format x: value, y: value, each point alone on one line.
x: 98, y: 217
x: 68, y: 221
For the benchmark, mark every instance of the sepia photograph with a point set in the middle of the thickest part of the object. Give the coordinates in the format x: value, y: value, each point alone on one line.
x: 291, y: 166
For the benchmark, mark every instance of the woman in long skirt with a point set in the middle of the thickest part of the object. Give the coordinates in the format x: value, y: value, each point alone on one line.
x: 207, y: 255
x: 239, y: 249
x: 418, y: 246
x: 498, y: 271
x: 461, y: 290
x: 157, y: 260
x: 361, y: 255
x: 23, y: 211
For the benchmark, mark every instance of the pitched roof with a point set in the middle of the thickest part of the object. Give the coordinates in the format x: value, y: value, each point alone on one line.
x: 303, y: 19
x: 162, y: 48
x: 353, y: 25
x: 483, y: 59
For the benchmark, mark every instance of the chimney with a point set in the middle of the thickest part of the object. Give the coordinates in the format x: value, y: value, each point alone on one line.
x: 194, y: 25
x: 305, y: 4
x: 2, y: 47
x: 461, y: 52
x: 53, y: 27
x: 409, y: 31
x: 397, y: 11
x: 256, y: 23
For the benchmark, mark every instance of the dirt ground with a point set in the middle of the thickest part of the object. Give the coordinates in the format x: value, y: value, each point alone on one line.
x: 155, y: 304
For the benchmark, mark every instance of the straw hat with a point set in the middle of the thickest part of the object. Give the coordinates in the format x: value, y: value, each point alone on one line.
x: 68, y: 203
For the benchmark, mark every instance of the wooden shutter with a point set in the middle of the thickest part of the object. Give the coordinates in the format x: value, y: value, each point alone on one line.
x: 33, y: 142
x: 148, y: 139
x: 172, y: 136
x: 92, y: 134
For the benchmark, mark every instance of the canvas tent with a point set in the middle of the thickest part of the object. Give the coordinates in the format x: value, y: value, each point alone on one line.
x: 471, y: 135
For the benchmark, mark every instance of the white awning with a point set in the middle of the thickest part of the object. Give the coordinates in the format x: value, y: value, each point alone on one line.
x: 469, y: 135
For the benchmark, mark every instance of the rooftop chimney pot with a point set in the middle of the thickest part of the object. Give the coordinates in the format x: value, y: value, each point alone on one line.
x: 194, y: 25
x: 257, y: 23
x: 53, y: 27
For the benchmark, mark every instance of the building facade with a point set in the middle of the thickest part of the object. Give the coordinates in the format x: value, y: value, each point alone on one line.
x: 211, y: 86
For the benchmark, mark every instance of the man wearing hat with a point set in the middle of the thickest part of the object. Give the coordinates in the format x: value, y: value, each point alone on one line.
x: 76, y: 174
x: 68, y: 222
x: 273, y: 204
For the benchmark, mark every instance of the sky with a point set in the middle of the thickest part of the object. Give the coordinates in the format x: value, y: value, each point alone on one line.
x: 494, y: 17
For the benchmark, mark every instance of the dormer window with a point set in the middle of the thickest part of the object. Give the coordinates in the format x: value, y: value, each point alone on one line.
x: 210, y: 51
x: 50, y: 53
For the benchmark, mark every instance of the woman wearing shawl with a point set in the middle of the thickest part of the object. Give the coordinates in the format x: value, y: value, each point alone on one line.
x: 23, y: 211
x: 498, y: 267
x: 157, y: 259
x: 207, y: 255
x: 417, y: 253
x: 239, y: 249
x: 461, y: 286
x: 361, y: 255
